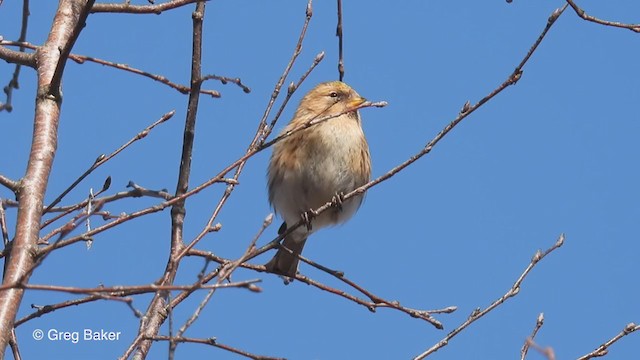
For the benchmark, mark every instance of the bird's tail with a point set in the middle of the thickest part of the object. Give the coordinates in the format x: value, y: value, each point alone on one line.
x: 284, y: 262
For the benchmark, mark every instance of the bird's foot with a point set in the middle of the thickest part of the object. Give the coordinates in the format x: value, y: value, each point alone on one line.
x: 307, y: 216
x: 336, y: 200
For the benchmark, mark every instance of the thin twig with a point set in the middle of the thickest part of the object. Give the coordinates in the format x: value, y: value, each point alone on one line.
x: 13, y: 83
x: 603, y: 349
x: 377, y: 301
x: 3, y: 226
x: 527, y: 343
x: 212, y: 342
x: 225, y: 80
x: 66, y: 229
x: 339, y: 35
x: 263, y: 129
x: 81, y: 59
x: 373, y: 305
x: 42, y: 310
x: 103, y: 159
x: 138, y: 289
x: 290, y: 91
x: 477, y: 313
x: 547, y: 352
x: 137, y: 191
x: 320, y: 119
x: 13, y: 342
x: 223, y: 275
x: 580, y: 12
x: 370, y: 305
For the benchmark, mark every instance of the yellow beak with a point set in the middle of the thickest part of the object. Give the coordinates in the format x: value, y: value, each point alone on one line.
x: 357, y: 101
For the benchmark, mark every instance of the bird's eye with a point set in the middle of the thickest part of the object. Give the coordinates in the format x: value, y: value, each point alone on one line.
x: 333, y: 94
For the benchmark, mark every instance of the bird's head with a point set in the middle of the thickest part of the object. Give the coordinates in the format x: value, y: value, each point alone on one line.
x: 330, y: 98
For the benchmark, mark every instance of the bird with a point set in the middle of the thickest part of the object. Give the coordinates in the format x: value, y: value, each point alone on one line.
x: 316, y: 165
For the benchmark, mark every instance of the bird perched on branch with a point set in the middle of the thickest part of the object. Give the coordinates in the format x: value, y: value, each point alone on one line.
x: 316, y: 165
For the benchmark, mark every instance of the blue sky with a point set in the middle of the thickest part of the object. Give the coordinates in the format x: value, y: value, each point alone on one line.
x: 553, y: 154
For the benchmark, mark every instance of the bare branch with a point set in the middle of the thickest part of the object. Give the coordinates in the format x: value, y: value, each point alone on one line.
x: 103, y: 159
x: 81, y: 59
x: 379, y: 302
x: 370, y: 305
x: 13, y: 342
x: 603, y: 349
x: 290, y: 91
x: 264, y: 130
x: 155, y: 314
x: 3, y: 226
x: 138, y: 289
x: 137, y: 191
x: 544, y: 351
x: 580, y: 12
x: 65, y: 49
x: 127, y: 8
x: 477, y: 313
x: 223, y: 275
x: 16, y: 57
x: 42, y: 310
x: 67, y: 23
x: 527, y: 343
x: 339, y: 35
x: 225, y: 80
x: 13, y: 83
x: 212, y: 342
x: 9, y: 184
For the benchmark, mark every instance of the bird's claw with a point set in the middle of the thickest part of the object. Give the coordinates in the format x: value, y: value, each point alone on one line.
x: 307, y: 216
x: 336, y: 200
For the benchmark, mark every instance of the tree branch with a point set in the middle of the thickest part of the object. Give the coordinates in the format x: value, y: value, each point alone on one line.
x: 603, y: 349
x: 127, y: 8
x: 67, y: 23
x: 156, y: 313
x: 580, y: 12
x: 13, y: 83
x: 477, y: 313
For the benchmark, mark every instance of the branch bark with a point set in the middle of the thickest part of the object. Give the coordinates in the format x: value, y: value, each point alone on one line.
x: 67, y: 24
x: 157, y: 312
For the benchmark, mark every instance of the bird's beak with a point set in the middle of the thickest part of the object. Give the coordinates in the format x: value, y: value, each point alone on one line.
x: 357, y: 101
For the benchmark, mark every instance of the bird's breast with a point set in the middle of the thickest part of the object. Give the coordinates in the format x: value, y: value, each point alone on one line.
x: 311, y: 166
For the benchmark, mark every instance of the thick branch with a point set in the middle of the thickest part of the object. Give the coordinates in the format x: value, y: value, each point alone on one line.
x: 67, y: 23
x: 126, y: 7
x: 17, y: 57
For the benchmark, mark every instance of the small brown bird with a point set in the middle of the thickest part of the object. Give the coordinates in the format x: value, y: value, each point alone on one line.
x: 315, y: 165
